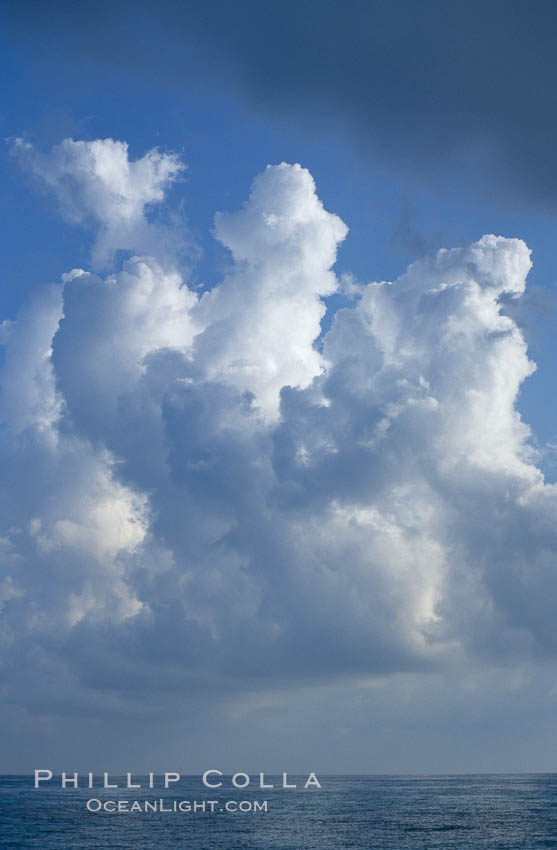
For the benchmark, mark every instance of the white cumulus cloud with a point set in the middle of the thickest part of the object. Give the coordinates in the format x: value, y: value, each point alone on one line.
x: 193, y: 481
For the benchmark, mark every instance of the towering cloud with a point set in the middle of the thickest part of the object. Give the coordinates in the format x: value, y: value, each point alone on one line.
x: 262, y: 321
x: 199, y: 486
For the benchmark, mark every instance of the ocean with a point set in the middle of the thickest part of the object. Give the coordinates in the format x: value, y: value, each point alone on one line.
x: 470, y: 812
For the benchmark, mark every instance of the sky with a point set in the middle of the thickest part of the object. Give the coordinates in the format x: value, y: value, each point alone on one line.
x: 277, y: 411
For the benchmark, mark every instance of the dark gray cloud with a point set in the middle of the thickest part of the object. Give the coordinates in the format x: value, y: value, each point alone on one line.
x: 430, y: 87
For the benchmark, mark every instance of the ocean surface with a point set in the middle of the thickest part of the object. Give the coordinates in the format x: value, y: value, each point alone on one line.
x: 507, y: 812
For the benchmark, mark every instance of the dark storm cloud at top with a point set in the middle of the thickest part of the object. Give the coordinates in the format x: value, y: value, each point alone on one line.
x: 424, y: 86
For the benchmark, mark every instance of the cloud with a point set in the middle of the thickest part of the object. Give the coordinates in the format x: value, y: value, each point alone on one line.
x: 98, y: 185
x: 283, y: 244
x: 197, y: 493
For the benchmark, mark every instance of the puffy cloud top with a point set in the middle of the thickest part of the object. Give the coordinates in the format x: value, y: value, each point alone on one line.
x: 284, y: 243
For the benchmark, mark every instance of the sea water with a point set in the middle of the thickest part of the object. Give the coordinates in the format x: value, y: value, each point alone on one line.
x: 471, y: 812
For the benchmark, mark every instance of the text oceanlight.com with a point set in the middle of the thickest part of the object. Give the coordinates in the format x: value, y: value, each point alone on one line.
x: 174, y: 806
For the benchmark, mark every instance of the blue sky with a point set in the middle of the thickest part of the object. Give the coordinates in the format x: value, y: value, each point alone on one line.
x: 181, y: 419
x: 397, y: 209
